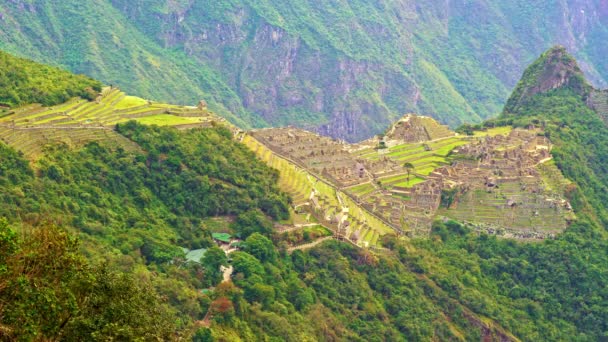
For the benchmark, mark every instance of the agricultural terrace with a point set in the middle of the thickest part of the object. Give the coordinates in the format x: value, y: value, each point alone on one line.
x: 515, y: 208
x: 421, y: 159
x: 32, y: 141
x: 78, y: 121
x: 500, y: 180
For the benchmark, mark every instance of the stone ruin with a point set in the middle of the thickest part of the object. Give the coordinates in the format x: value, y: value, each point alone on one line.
x: 484, y: 165
x: 414, y: 128
x: 505, y: 168
x: 491, y: 164
x: 321, y: 155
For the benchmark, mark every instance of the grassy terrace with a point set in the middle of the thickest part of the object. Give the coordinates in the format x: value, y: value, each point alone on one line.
x: 553, y: 179
x: 112, y: 107
x: 404, y: 183
x: 79, y: 121
x: 32, y: 141
x: 166, y: 120
x: 493, y: 131
x: 292, y: 179
x: 362, y: 189
x: 490, y: 208
x: 130, y: 101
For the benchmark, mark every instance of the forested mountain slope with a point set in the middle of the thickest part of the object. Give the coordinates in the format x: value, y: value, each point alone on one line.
x: 554, y: 93
x: 24, y: 82
x: 345, y: 69
x: 93, y: 244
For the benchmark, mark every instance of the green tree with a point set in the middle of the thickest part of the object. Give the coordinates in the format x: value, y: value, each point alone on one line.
x: 252, y: 221
x: 120, y: 307
x: 48, y: 291
x: 261, y: 293
x: 408, y: 167
x: 246, y: 264
x: 212, y: 260
x: 260, y: 247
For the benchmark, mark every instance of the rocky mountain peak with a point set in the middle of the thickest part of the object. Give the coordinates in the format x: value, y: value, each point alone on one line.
x: 554, y: 69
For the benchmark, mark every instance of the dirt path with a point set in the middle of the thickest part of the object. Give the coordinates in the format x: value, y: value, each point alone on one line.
x: 227, y: 273
x: 309, y: 245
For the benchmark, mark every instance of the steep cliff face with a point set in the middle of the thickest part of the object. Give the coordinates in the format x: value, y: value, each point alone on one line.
x: 299, y: 66
x: 343, y: 68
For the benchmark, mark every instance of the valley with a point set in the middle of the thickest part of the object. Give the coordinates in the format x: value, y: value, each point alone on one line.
x: 345, y: 69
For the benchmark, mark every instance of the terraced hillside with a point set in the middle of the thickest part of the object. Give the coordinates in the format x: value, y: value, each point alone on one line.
x: 33, y: 140
x: 329, y: 205
x: 398, y: 169
x: 416, y: 128
x: 515, y: 209
x: 79, y: 121
x: 398, y: 184
x: 500, y: 180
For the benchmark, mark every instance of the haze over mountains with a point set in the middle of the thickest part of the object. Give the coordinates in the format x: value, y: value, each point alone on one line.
x: 345, y: 69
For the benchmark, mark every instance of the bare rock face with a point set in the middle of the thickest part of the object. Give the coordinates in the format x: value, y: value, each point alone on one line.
x: 559, y: 70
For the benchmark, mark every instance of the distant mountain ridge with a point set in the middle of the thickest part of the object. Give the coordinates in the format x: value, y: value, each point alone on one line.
x: 345, y: 69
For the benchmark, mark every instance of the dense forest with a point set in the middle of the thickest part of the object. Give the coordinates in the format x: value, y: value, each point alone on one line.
x: 23, y: 81
x: 115, y: 223
x: 127, y: 210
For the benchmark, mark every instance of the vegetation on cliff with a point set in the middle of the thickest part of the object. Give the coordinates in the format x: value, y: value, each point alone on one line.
x: 577, y: 131
x: 23, y: 82
x: 344, y: 68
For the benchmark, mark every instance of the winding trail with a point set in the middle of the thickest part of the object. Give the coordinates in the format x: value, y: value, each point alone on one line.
x: 309, y: 245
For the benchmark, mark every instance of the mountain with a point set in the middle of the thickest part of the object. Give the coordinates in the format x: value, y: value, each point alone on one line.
x: 93, y: 38
x: 554, y: 93
x: 95, y: 200
x: 122, y: 235
x: 343, y: 69
x: 98, y: 229
x: 554, y: 69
